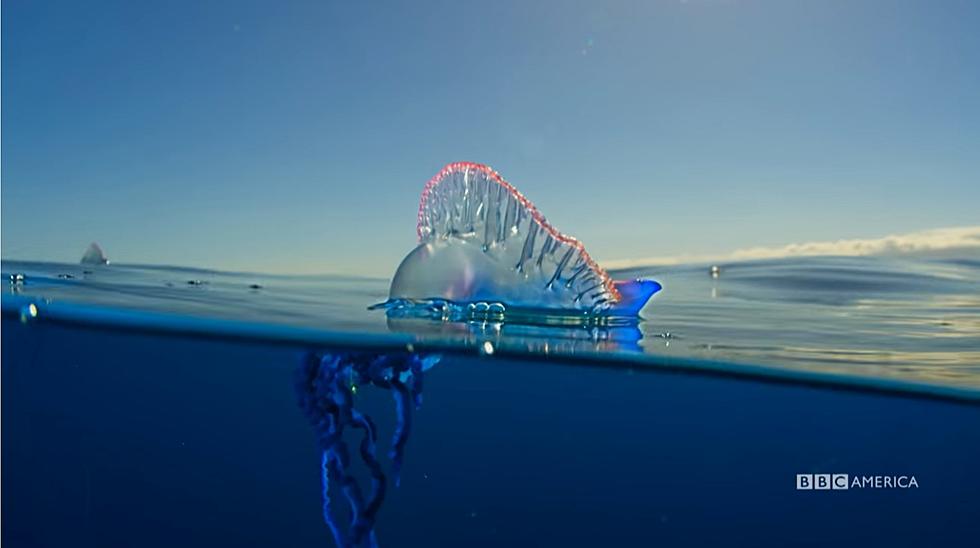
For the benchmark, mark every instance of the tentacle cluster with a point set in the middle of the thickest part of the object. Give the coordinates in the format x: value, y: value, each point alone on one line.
x: 326, y: 385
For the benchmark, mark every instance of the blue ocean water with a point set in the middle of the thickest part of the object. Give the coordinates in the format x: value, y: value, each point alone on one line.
x: 159, y: 406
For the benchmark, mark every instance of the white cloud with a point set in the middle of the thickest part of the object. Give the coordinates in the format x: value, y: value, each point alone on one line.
x: 915, y: 242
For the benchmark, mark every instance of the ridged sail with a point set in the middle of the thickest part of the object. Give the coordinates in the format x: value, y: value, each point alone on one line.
x: 469, y: 204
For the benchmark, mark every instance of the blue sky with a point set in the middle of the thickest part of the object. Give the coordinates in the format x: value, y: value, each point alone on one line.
x: 296, y: 136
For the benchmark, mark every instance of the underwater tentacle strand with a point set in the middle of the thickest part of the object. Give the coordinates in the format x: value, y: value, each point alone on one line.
x: 403, y: 407
x: 326, y: 388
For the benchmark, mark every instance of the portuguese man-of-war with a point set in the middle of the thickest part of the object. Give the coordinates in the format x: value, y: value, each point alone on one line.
x: 94, y: 255
x: 326, y: 387
x: 485, y: 248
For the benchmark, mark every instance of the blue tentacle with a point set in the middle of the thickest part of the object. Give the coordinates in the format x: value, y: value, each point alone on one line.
x: 325, y: 386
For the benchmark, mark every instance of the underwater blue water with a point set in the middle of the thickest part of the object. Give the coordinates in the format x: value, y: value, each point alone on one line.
x: 150, y: 406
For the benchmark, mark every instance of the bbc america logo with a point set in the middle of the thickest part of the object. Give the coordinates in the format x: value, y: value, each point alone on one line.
x: 838, y: 482
x: 821, y: 481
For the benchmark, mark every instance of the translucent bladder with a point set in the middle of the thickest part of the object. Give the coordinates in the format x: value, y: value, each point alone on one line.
x: 481, y: 241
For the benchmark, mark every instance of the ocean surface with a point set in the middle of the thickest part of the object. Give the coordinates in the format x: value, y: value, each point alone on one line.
x: 160, y: 406
x: 871, y: 318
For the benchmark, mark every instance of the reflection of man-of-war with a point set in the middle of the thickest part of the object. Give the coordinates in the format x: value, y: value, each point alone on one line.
x: 484, y: 249
x: 326, y: 385
x: 522, y: 337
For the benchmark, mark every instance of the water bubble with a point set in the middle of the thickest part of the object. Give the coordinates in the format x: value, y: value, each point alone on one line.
x: 667, y: 336
x: 28, y: 312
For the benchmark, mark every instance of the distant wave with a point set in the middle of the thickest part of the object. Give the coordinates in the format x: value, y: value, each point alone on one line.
x: 922, y: 242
